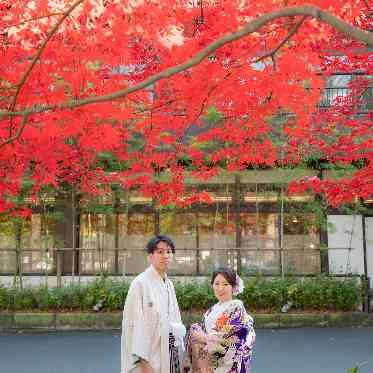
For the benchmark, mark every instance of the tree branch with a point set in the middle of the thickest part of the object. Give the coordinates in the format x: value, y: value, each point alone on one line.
x: 367, y: 5
x: 252, y: 26
x: 40, y: 51
x: 19, y: 130
x: 35, y: 19
x: 29, y: 70
x: 288, y: 36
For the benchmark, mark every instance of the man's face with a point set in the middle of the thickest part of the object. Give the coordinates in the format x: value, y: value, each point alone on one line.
x: 161, y: 257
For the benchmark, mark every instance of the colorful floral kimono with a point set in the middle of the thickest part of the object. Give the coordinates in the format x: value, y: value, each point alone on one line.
x: 230, y: 338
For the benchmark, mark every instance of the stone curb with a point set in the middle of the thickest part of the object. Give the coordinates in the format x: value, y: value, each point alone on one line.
x: 53, y: 321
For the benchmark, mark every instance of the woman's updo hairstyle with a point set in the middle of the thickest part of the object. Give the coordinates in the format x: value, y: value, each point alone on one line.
x: 228, y: 273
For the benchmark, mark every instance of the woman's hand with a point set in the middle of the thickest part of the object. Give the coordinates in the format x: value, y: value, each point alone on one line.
x: 145, y: 367
x: 215, y: 343
x: 200, y: 337
x: 197, y: 334
x: 215, y: 338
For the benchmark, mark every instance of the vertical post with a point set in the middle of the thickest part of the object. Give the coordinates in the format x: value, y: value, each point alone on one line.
x: 256, y: 212
x: 365, y: 247
x: 157, y: 227
x: 282, y: 121
x: 116, y: 232
x: 64, y: 228
x: 18, y: 276
x: 198, y: 271
x: 281, y: 229
x: 237, y: 203
x: 59, y: 258
x: 324, y: 253
x: 73, y: 235
x: 365, y: 279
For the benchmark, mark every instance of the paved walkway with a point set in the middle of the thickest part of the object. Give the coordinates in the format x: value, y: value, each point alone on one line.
x: 277, y: 351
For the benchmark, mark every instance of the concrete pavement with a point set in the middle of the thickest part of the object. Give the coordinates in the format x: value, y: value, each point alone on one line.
x: 328, y: 350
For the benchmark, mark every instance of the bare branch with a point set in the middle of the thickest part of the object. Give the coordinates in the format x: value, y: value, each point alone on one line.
x: 40, y: 51
x: 209, y: 93
x: 19, y: 130
x: 367, y: 4
x: 283, y: 42
x: 274, y: 62
x: 252, y: 26
x: 35, y: 19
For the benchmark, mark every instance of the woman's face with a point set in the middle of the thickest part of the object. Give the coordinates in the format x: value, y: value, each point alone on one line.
x: 222, y: 289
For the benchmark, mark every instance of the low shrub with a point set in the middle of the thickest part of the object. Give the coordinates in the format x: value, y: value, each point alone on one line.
x: 5, y: 298
x: 260, y: 294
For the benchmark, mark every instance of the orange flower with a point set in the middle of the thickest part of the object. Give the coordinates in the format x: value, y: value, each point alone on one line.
x: 222, y: 321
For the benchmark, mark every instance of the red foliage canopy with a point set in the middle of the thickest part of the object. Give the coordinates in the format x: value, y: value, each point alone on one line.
x: 170, y: 85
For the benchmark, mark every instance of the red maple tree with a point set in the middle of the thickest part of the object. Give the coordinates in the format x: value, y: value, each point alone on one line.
x: 181, y: 86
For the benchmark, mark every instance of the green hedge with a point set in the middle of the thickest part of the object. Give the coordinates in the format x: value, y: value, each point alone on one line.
x: 260, y: 294
x: 320, y: 293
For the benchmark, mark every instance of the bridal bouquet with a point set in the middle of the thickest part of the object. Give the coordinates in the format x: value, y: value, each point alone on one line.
x: 215, y: 344
x: 219, y: 342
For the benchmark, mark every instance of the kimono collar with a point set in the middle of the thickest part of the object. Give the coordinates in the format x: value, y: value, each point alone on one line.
x: 155, y: 273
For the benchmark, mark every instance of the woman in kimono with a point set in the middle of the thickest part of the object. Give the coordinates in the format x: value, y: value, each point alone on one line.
x: 223, y: 342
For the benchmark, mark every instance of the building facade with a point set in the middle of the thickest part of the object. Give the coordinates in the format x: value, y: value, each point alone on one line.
x: 250, y: 224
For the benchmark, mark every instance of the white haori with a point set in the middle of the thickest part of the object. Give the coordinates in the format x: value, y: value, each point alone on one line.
x: 150, y: 313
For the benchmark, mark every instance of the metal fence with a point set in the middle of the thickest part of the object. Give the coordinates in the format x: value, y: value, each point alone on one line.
x: 329, y: 96
x: 187, y: 262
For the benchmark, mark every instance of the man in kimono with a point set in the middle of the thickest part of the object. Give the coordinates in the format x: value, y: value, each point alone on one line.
x: 152, y: 331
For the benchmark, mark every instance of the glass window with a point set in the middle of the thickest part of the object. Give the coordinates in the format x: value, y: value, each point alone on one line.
x: 184, y: 262
x: 338, y: 81
x: 7, y: 235
x: 37, y: 261
x: 37, y: 236
x: 181, y: 226
x: 217, y: 229
x: 300, y: 231
x: 97, y: 261
x: 7, y: 261
x: 219, y: 193
x: 302, y: 241
x: 301, y: 262
x: 265, y: 262
x: 252, y: 194
x: 132, y: 262
x: 209, y: 260
x: 97, y: 231
x: 135, y: 230
x: 97, y: 241
x: 259, y: 230
x: 140, y: 229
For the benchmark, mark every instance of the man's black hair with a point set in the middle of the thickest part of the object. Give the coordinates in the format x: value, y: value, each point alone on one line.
x: 152, y: 244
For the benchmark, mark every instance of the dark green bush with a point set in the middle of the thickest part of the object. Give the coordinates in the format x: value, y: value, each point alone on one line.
x: 194, y: 295
x: 325, y: 293
x: 260, y: 294
x: 69, y: 298
x: 5, y: 298
x: 24, y: 300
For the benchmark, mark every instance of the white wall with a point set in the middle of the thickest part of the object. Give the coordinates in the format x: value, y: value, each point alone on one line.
x: 31, y: 281
x: 42, y: 280
x: 345, y: 231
